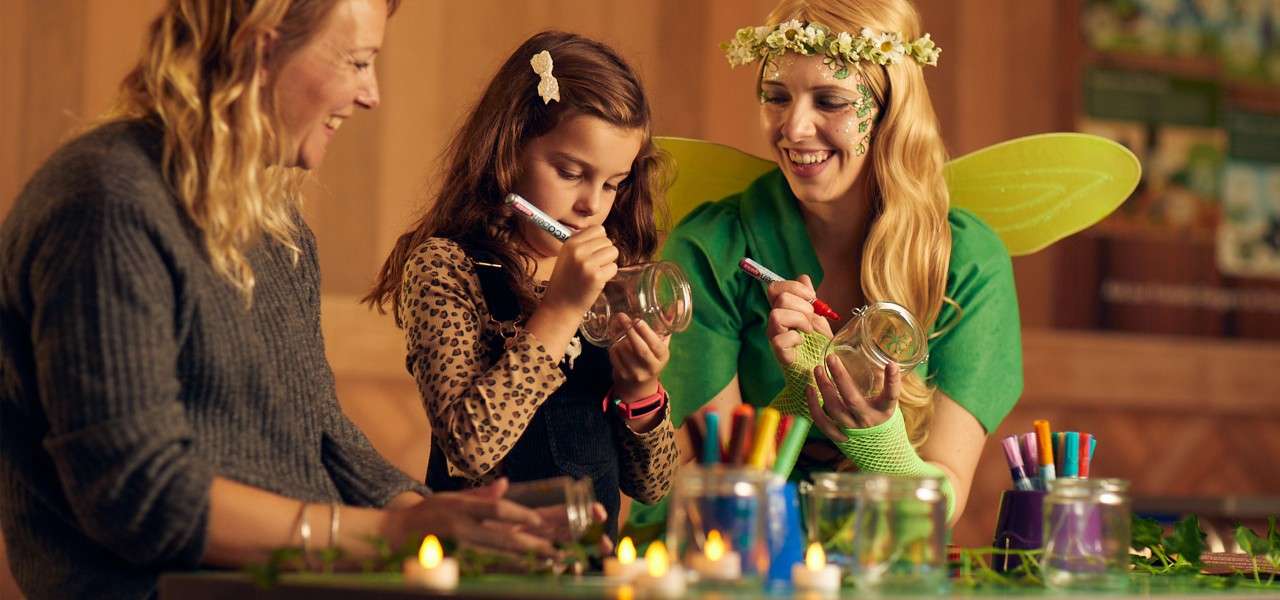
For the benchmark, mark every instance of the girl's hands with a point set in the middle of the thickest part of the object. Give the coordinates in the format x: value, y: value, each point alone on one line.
x: 586, y: 261
x: 792, y: 315
x: 638, y: 359
x: 843, y: 406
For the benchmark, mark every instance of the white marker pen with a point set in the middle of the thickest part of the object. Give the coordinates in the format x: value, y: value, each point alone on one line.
x: 539, y: 218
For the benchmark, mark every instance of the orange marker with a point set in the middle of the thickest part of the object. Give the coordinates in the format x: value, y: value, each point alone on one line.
x: 1047, y: 472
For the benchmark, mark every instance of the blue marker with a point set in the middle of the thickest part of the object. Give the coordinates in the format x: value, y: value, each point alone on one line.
x: 1071, y: 454
x: 711, y: 442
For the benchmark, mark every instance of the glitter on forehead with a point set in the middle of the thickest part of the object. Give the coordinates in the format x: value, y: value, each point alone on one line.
x: 774, y: 66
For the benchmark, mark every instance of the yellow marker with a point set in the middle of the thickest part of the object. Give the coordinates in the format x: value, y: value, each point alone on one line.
x: 762, y: 441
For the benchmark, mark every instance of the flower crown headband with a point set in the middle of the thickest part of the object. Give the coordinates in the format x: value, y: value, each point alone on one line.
x: 841, y: 49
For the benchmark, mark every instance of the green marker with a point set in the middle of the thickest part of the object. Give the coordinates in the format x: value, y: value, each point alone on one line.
x: 789, y: 451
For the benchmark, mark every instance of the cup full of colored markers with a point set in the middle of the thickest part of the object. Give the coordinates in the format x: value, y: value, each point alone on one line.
x: 1035, y: 460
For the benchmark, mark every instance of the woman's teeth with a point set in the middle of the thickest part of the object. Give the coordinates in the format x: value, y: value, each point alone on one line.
x: 808, y: 158
x: 333, y: 123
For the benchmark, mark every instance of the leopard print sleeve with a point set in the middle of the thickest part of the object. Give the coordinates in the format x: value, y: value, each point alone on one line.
x: 477, y: 408
x: 648, y: 460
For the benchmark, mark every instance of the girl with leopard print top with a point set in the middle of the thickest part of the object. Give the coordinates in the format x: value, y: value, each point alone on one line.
x: 491, y: 304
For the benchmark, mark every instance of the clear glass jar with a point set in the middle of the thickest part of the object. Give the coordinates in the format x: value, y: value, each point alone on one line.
x: 577, y: 496
x: 887, y: 532
x: 877, y: 335
x: 1086, y: 534
x: 717, y: 523
x: 657, y: 293
x: 831, y: 503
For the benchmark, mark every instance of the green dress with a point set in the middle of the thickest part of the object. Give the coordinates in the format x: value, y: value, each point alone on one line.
x: 978, y: 363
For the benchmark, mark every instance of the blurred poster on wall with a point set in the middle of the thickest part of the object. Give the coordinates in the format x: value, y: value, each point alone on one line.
x: 1196, y: 249
x: 1249, y: 236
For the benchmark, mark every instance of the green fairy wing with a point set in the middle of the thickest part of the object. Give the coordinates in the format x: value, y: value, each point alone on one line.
x: 706, y: 172
x: 1033, y: 191
x: 1036, y: 190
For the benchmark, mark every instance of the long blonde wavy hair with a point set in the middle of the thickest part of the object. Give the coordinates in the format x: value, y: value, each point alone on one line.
x: 202, y: 78
x: 908, y: 246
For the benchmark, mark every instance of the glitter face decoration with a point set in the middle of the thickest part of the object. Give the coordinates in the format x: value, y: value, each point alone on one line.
x: 820, y: 126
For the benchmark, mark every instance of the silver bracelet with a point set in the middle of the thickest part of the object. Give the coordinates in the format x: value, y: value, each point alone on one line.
x: 335, y: 519
x: 304, y: 530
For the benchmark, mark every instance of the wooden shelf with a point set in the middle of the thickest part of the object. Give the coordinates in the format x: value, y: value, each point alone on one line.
x: 1189, y: 67
x: 1205, y: 376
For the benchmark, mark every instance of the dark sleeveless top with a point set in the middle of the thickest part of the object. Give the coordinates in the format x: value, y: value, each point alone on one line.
x: 569, y: 434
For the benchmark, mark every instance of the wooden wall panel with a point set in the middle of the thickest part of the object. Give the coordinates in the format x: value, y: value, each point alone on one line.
x: 13, y: 67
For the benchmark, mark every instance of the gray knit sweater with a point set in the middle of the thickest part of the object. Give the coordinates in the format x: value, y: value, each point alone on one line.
x: 131, y: 374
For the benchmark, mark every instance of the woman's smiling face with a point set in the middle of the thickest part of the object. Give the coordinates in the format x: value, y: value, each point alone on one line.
x: 819, y: 126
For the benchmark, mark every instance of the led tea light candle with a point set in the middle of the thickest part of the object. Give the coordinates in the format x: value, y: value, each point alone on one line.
x: 624, y: 567
x: 717, y: 562
x: 431, y: 569
x: 815, y: 575
x: 663, y: 579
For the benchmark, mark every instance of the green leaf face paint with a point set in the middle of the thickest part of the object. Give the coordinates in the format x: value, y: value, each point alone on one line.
x: 865, y: 106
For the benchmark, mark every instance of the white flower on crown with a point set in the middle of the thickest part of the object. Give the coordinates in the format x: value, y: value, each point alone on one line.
x: 886, y: 47
x: 814, y: 36
x: 793, y: 29
x: 841, y: 49
x: 844, y: 43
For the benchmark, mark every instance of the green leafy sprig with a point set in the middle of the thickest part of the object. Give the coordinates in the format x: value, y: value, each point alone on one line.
x: 1176, y: 553
x: 1267, y: 548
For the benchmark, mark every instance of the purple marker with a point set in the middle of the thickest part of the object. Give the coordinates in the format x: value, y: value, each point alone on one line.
x: 1031, y: 458
x: 1016, y: 470
x: 539, y: 218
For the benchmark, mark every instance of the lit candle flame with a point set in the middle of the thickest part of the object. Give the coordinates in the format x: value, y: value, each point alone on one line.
x: 715, y: 546
x: 626, y: 551
x: 430, y: 554
x: 656, y: 557
x: 815, y: 559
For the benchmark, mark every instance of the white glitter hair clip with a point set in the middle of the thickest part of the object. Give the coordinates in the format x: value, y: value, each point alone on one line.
x: 548, y: 87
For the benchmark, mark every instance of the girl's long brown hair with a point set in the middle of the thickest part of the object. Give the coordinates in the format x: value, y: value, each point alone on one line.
x: 481, y: 163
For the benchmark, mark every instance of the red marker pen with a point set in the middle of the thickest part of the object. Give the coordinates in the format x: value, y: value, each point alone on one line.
x: 759, y: 271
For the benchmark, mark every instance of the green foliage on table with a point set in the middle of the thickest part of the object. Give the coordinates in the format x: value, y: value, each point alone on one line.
x: 1267, y: 548
x: 1177, y: 553
x: 1172, y: 559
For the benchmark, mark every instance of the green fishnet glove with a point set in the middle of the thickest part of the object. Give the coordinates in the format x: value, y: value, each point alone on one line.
x: 799, y: 376
x: 883, y: 448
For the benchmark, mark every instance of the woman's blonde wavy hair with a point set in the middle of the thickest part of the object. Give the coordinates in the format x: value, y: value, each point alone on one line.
x: 908, y: 247
x: 201, y: 78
